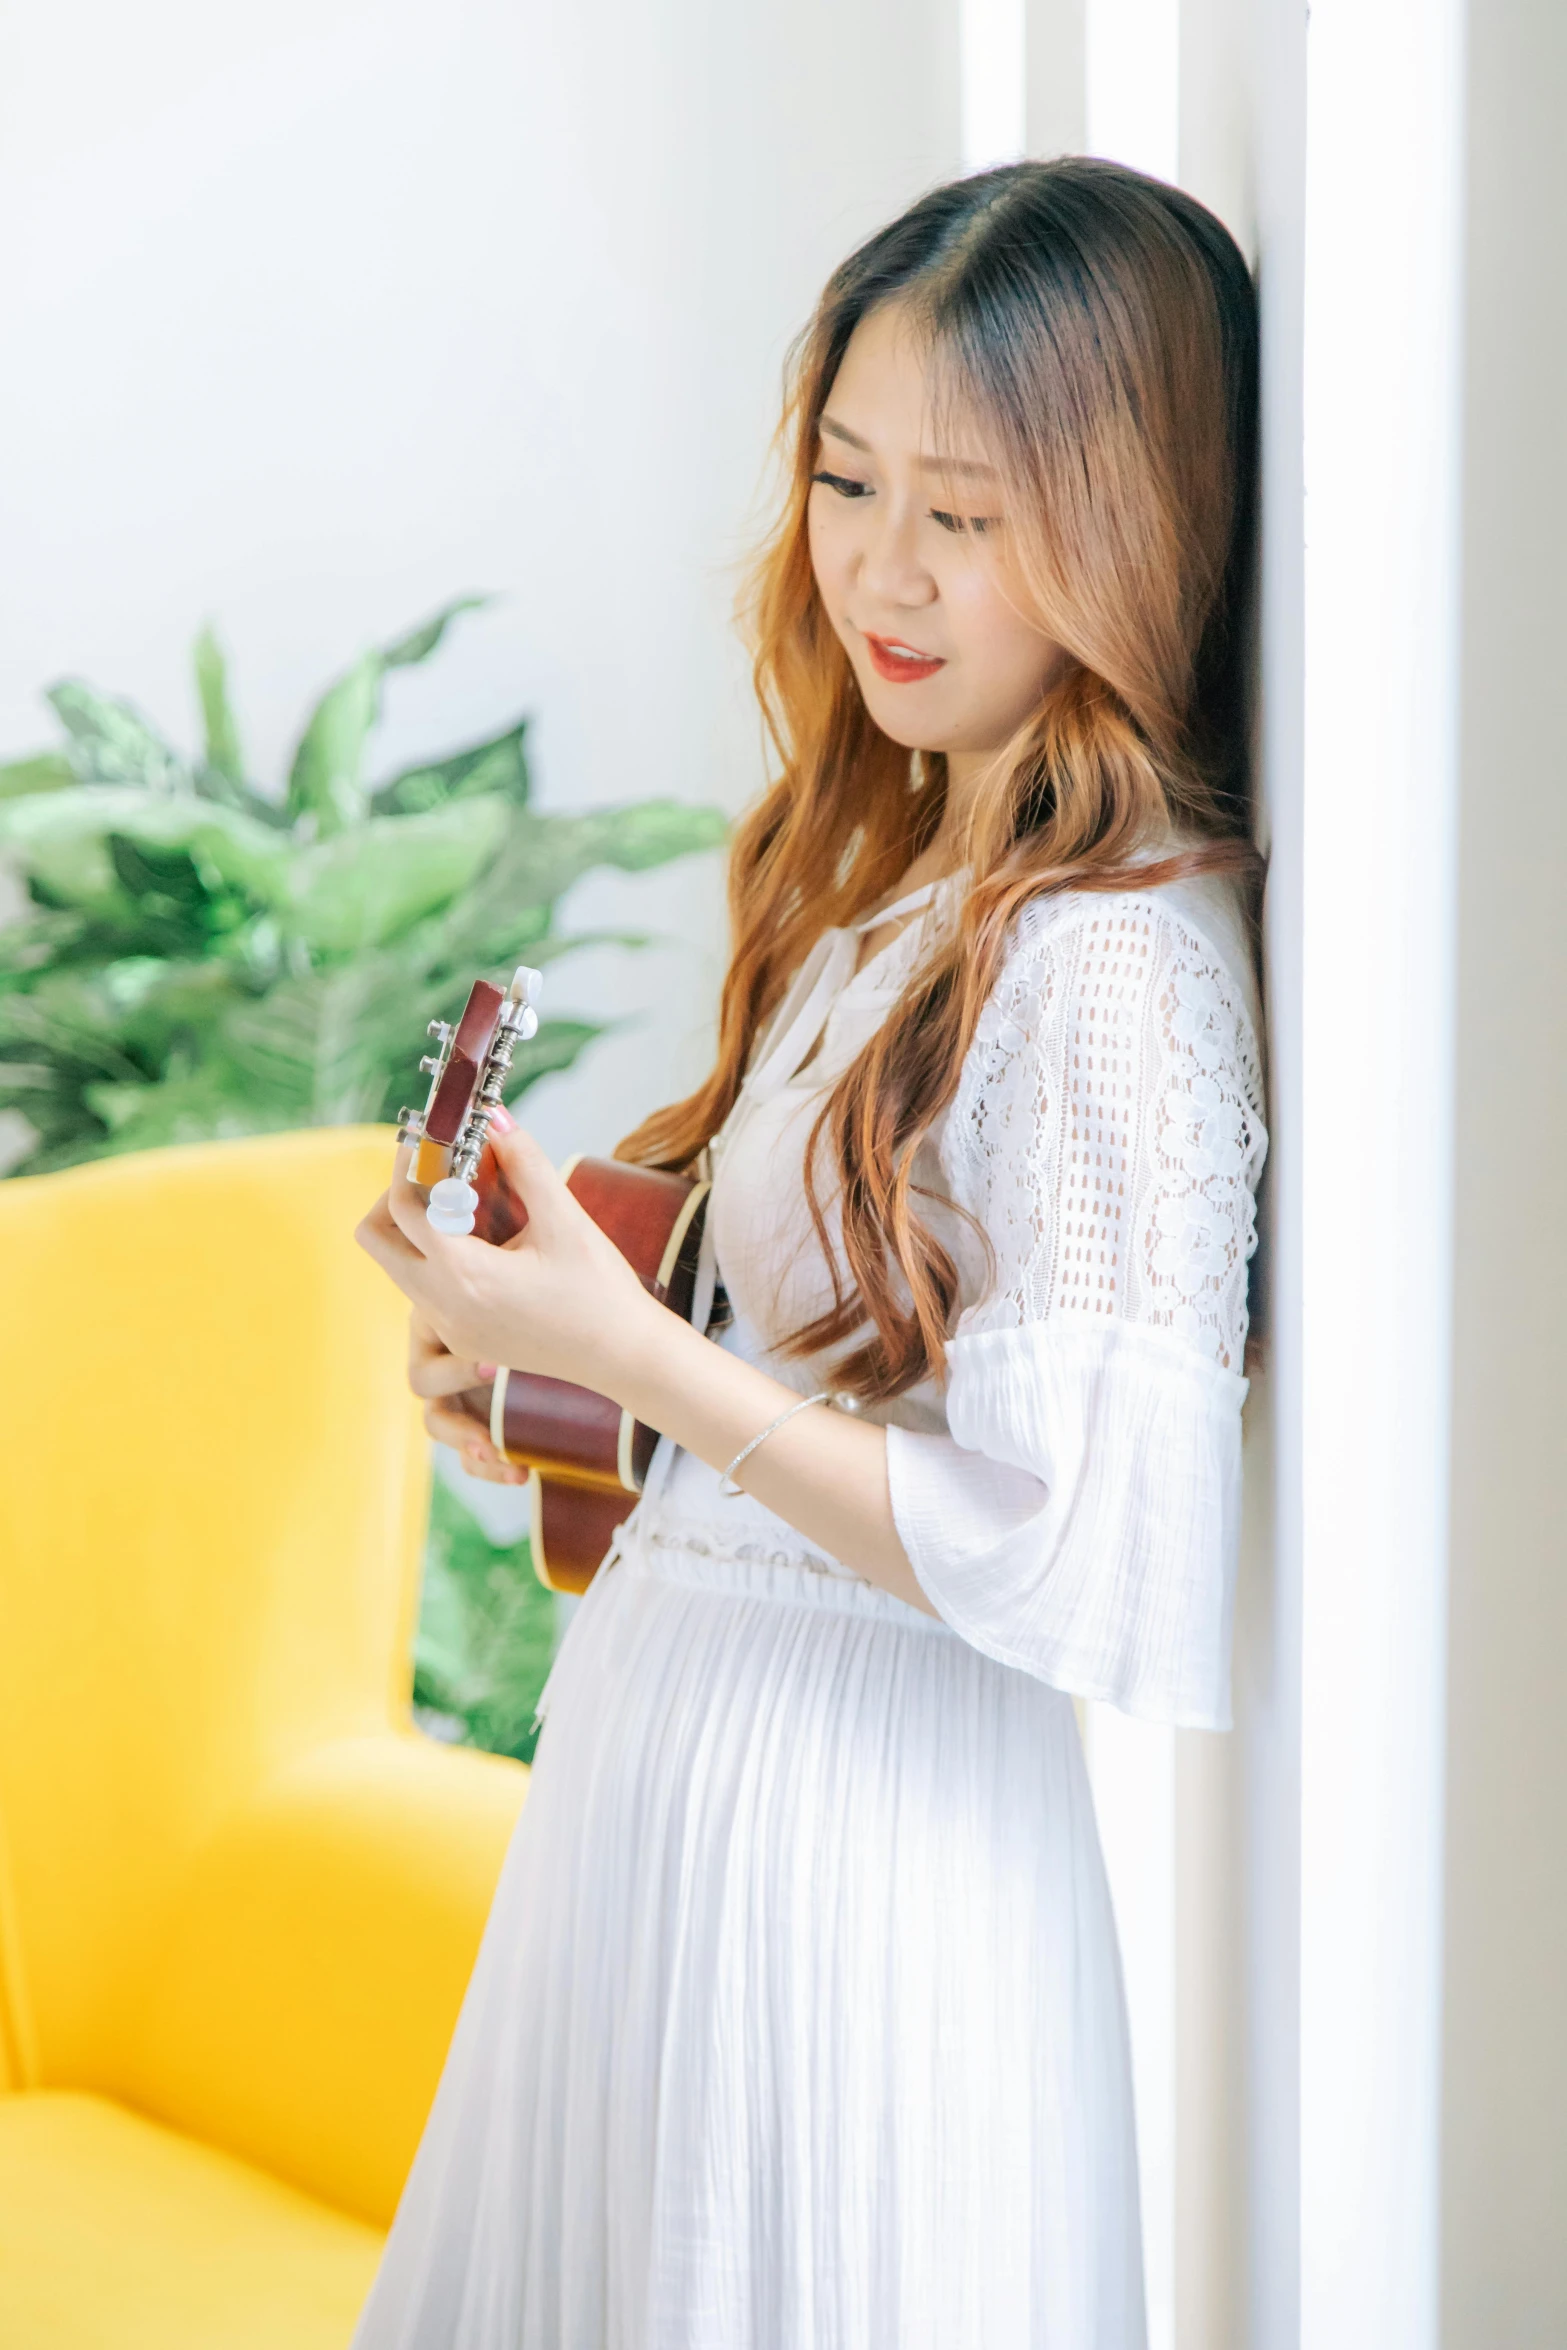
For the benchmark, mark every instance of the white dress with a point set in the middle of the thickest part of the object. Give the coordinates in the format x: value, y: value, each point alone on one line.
x: 798, y: 2022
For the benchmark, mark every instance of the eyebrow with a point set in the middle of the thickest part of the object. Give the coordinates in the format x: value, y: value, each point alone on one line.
x: 949, y: 465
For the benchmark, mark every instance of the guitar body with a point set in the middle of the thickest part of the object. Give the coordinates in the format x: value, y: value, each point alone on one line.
x: 586, y: 1456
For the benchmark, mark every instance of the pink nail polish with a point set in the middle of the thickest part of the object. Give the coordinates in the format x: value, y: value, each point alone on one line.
x: 486, y: 1370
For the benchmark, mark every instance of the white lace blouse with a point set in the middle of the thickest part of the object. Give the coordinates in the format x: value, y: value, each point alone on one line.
x: 1069, y: 1499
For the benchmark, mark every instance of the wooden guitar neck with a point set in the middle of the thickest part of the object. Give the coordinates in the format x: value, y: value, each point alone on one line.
x: 587, y: 1457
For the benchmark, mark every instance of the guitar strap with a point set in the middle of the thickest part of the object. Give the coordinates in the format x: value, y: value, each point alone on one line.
x: 702, y: 1295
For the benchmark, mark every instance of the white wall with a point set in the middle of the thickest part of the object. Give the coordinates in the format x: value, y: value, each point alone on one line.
x: 1504, y: 2118
x: 320, y: 311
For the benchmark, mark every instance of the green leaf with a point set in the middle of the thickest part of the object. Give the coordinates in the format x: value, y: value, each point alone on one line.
x: 544, y: 855
x: 45, y: 771
x: 506, y: 915
x: 211, y: 785
x: 64, y: 839
x: 162, y: 1008
x: 494, y: 766
x: 29, y: 945
x: 324, y: 781
x: 67, y: 1019
x: 558, y: 850
x: 224, y: 755
x: 66, y: 1134
x: 421, y: 642
x: 319, y: 1043
x: 117, y: 1105
x: 481, y: 929
x: 176, y: 912
x: 196, y: 1105
x: 367, y: 887
x: 113, y: 744
x: 487, y: 1631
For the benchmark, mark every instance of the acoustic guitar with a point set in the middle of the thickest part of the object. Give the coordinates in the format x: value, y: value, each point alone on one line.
x: 586, y: 1457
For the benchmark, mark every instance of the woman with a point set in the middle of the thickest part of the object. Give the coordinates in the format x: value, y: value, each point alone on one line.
x: 798, y: 2022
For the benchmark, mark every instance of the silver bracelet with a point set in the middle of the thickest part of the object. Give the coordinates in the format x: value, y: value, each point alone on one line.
x: 726, y: 1483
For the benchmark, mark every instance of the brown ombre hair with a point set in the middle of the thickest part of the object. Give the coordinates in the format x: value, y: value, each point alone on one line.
x: 1098, y: 330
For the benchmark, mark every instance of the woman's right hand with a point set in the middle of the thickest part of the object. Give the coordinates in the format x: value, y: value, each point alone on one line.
x: 435, y: 1375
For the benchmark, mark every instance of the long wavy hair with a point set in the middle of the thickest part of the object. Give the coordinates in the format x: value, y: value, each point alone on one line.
x: 1099, y: 330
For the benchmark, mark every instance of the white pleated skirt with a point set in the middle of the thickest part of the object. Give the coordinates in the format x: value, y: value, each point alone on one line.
x: 797, y: 2024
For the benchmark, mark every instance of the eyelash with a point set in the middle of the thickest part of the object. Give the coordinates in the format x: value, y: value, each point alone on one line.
x: 956, y: 523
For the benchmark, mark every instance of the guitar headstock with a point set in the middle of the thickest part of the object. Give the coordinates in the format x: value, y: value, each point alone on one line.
x: 468, y: 1070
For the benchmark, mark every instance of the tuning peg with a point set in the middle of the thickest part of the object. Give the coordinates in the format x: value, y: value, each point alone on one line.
x: 522, y: 1021
x: 430, y: 1063
x: 442, y: 1029
x: 453, y: 1206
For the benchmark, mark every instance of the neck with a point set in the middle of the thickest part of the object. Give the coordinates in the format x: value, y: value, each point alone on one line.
x: 966, y: 772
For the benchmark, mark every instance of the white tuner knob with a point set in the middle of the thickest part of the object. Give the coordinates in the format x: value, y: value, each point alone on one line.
x: 524, y: 991
x: 453, y: 1207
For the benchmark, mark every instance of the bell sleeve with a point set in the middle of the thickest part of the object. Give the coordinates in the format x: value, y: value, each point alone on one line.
x: 1080, y: 1520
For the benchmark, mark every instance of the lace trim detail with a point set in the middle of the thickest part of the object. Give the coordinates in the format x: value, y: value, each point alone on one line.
x: 1108, y: 1127
x: 745, y: 1554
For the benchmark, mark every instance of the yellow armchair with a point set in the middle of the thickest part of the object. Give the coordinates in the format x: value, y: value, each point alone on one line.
x: 239, y: 1895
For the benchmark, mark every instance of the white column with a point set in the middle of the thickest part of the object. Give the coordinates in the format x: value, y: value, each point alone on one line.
x: 1132, y: 113
x: 1237, y: 2167
x: 1381, y: 459
x: 1021, y: 79
x: 1133, y: 83
x: 1504, y: 2124
x: 992, y: 37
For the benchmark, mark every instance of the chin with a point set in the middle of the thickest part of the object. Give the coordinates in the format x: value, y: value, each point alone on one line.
x: 902, y: 725
x: 909, y: 738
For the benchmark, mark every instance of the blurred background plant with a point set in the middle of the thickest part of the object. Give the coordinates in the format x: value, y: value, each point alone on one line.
x: 198, y: 957
x: 189, y: 955
x: 487, y: 1625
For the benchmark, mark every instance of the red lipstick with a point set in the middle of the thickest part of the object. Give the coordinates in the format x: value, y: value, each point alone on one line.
x: 899, y: 663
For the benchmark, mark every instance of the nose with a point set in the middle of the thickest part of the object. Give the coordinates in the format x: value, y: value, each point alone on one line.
x: 891, y: 572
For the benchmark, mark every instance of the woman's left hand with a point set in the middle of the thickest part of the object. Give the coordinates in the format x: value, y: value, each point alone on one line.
x: 559, y: 1298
